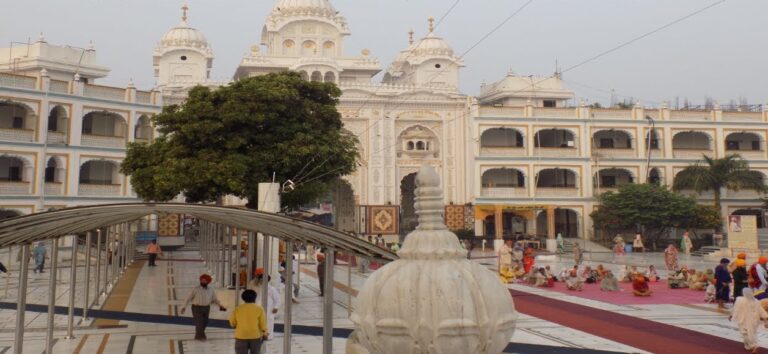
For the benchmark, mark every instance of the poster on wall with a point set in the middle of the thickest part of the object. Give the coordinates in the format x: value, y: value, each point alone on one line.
x: 168, y: 225
x: 383, y: 219
x: 742, y: 231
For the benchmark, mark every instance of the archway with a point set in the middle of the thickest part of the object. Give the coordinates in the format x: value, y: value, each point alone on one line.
x: 103, y: 124
x: 317, y: 77
x: 692, y: 140
x: 501, y: 137
x: 556, y: 178
x: 612, y: 139
x: 554, y: 138
x: 12, y: 169
x: 513, y: 224
x: 57, y: 120
x: 612, y: 178
x: 503, y: 178
x: 654, y: 177
x: 99, y: 172
x: 408, y: 220
x: 566, y: 222
x: 143, y: 129
x: 743, y: 142
x: 329, y: 77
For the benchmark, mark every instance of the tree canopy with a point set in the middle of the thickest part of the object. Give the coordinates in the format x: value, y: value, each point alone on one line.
x: 654, y: 207
x: 225, y: 141
x: 730, y: 172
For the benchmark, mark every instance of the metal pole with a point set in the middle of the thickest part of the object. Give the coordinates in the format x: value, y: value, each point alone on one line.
x: 228, y: 253
x: 52, y: 296
x: 251, y: 251
x: 288, y: 315
x: 72, y: 289
x: 237, y: 263
x: 21, y: 306
x: 107, y: 263
x: 87, y: 287
x: 98, y: 267
x: 223, y: 254
x: 8, y: 278
x: 328, y: 303
x: 349, y: 284
x: 265, y: 279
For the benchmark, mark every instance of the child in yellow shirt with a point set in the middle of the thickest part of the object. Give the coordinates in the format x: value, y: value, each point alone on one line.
x: 250, y: 324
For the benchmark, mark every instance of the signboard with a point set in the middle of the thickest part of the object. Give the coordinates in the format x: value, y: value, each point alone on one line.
x: 742, y: 231
x: 146, y: 236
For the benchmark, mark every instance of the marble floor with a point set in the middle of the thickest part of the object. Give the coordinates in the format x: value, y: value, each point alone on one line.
x: 161, y: 290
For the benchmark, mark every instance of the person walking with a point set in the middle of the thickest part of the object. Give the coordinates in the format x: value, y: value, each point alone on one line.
x: 722, y: 283
x: 505, y: 256
x: 686, y: 244
x: 273, y: 298
x: 748, y: 314
x: 560, y: 243
x: 201, y: 299
x: 250, y: 325
x: 739, y: 277
x: 637, y: 243
x: 578, y: 255
x: 153, y: 250
x: 321, y: 272
x: 670, y: 257
x: 40, y: 253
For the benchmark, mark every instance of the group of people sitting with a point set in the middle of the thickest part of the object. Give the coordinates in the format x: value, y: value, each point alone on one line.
x: 575, y: 278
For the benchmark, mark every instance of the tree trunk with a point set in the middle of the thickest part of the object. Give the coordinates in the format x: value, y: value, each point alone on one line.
x: 717, y: 194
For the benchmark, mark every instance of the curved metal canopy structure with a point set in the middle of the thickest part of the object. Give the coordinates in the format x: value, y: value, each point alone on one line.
x: 50, y: 224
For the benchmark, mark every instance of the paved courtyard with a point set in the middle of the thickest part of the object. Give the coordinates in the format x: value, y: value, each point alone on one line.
x: 161, y: 290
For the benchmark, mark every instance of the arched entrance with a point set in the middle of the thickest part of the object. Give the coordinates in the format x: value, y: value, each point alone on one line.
x: 566, y: 222
x: 408, y: 219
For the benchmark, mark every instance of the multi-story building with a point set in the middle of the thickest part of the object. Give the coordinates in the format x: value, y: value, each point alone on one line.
x: 520, y: 157
x: 538, y: 165
x: 62, y: 137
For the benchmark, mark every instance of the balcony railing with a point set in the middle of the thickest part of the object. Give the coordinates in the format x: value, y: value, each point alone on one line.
x: 690, y: 153
x: 742, y: 116
x: 25, y: 135
x: 54, y: 188
x: 690, y: 115
x: 554, y: 112
x: 502, y: 151
x: 87, y: 189
x: 504, y: 192
x: 14, y: 188
x: 144, y: 97
x: 502, y: 111
x: 748, y: 154
x: 18, y: 81
x: 57, y: 138
x: 105, y: 92
x: 556, y: 152
x: 615, y: 152
x: 557, y: 192
x: 611, y: 113
x: 102, y: 141
x: 59, y: 86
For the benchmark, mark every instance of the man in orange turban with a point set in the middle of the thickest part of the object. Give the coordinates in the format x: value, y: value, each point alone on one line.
x: 321, y: 272
x: 201, y: 298
x: 740, y: 276
x: 640, y: 287
x: 757, y: 275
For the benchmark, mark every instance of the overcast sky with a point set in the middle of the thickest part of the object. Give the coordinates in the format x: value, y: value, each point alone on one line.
x: 722, y: 52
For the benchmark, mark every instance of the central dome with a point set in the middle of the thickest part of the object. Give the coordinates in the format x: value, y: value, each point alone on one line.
x: 182, y: 35
x: 323, y: 6
x: 432, y: 45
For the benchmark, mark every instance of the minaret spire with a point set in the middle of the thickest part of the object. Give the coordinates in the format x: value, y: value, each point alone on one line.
x: 431, y: 21
x: 410, y: 36
x: 184, y: 10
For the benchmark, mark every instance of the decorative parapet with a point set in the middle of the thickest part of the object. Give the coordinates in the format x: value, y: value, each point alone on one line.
x: 103, y: 141
x: 14, y: 188
x: 24, y: 135
x: 85, y: 189
x: 433, y: 299
x: 18, y: 81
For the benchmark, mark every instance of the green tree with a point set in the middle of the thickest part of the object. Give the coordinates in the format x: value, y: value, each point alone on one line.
x: 227, y: 140
x: 654, y: 207
x: 711, y: 174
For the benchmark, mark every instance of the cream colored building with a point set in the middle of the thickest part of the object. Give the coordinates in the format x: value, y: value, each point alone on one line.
x: 63, y: 137
x: 539, y: 164
x: 521, y: 157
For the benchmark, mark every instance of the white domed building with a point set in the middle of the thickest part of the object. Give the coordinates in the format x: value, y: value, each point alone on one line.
x: 182, y: 59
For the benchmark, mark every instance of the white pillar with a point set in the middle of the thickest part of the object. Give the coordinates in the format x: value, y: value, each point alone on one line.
x: 269, y: 201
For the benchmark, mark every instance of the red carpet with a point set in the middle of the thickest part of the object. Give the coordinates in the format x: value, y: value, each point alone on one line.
x: 643, y: 334
x: 661, y: 294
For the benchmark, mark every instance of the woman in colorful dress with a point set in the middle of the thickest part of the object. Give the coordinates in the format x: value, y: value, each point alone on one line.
x: 670, y: 257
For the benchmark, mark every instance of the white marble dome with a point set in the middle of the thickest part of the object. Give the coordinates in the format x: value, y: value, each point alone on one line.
x: 182, y: 35
x: 432, y: 300
x: 432, y: 45
x: 316, y: 6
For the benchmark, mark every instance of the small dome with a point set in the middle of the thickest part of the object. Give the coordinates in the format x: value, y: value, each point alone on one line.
x: 184, y: 36
x: 432, y: 45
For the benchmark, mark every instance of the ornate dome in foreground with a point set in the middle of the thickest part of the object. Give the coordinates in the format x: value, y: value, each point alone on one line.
x: 433, y: 300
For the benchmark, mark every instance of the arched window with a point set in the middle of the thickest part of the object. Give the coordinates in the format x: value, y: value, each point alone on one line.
x: 654, y: 177
x: 98, y: 172
x: 330, y: 77
x: 57, y: 119
x: 556, y: 178
x: 612, y: 178
x: 612, y: 139
x: 289, y: 47
x: 304, y: 75
x: 692, y: 140
x: 15, y: 116
x: 329, y: 49
x: 143, y: 129
x: 103, y: 124
x: 503, y: 178
x: 11, y: 169
x: 501, y: 137
x: 554, y: 138
x: 317, y: 76
x: 743, y: 142
x: 410, y: 145
x: 50, y: 170
x: 309, y: 49
x: 420, y: 145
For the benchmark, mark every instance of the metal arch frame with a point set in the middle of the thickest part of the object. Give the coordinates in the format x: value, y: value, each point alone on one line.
x: 41, y: 226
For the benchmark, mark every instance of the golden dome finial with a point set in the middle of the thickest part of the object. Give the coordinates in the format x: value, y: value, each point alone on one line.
x: 431, y: 21
x: 184, y: 10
